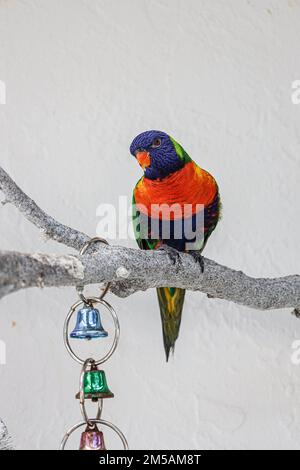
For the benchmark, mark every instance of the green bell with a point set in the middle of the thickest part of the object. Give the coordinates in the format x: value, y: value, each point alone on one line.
x: 95, y: 385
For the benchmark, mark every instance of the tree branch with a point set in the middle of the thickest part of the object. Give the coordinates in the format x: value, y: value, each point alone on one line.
x: 129, y: 270
x: 47, y: 224
x: 5, y: 439
x: 133, y: 270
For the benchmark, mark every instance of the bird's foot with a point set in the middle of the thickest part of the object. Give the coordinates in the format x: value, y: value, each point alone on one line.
x: 198, y: 258
x: 172, y: 253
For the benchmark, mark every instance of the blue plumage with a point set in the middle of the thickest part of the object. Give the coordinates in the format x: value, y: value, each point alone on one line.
x: 164, y: 159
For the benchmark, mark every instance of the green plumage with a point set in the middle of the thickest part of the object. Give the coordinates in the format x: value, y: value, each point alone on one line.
x: 170, y: 301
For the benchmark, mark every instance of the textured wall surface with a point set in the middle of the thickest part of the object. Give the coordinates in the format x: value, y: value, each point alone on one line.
x: 83, y: 77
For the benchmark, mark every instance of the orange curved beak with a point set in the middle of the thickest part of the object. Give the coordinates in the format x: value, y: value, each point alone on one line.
x: 143, y: 158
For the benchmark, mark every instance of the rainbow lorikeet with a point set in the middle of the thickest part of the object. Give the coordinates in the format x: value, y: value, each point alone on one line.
x: 172, y: 180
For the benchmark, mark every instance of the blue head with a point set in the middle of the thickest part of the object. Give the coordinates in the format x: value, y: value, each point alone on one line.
x: 158, y: 154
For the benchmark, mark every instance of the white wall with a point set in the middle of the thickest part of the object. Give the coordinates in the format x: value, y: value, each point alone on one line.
x: 83, y: 77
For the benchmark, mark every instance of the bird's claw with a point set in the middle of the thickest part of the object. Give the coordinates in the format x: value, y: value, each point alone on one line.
x: 172, y: 253
x: 198, y: 258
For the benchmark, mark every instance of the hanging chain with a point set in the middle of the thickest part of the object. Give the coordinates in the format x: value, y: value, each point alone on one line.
x: 92, y: 382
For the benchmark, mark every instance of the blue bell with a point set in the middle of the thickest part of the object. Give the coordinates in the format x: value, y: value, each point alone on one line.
x: 88, y: 325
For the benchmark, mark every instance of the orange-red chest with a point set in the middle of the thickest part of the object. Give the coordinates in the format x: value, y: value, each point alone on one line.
x: 184, y: 190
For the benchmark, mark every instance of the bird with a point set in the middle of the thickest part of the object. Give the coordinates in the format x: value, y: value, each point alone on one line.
x: 176, y: 207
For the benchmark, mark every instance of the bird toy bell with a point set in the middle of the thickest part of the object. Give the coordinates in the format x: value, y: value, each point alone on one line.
x: 95, y: 385
x: 88, y: 324
x: 92, y: 439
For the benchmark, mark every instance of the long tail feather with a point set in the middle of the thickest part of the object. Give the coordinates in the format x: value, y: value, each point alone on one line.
x: 170, y: 301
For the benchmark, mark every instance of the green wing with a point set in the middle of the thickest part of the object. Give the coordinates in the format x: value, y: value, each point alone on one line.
x: 143, y: 243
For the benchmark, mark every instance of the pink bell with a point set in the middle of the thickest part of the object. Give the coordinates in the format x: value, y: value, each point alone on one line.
x: 92, y: 439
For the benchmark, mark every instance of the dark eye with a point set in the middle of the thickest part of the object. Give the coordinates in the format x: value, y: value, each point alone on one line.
x: 156, y: 143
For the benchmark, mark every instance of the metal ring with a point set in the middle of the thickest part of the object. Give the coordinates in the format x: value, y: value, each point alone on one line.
x: 82, y: 251
x: 94, y: 300
x: 84, y: 413
x: 94, y: 421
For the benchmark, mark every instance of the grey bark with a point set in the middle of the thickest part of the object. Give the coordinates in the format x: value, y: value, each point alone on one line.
x: 132, y: 270
x: 5, y: 440
x: 47, y: 224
